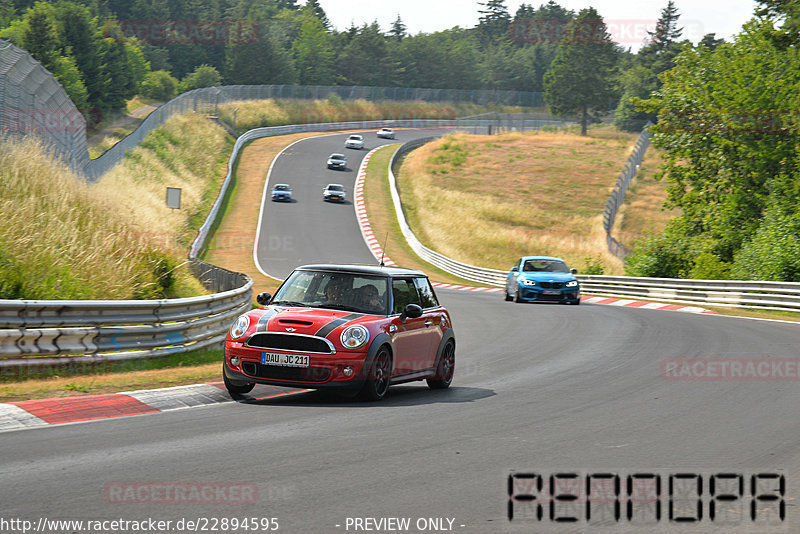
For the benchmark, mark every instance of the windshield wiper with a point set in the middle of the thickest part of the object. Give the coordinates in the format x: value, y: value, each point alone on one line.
x: 290, y: 303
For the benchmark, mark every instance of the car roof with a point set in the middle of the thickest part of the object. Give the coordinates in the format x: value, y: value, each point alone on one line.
x: 281, y: 185
x: 338, y: 185
x: 526, y: 258
x: 375, y: 270
x: 337, y: 156
x: 356, y: 135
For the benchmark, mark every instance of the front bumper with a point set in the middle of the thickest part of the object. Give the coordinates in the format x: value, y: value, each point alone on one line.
x: 538, y: 294
x: 323, y: 372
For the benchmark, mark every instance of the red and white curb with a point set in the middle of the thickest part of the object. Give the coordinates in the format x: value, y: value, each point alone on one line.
x: 646, y: 305
x: 61, y: 410
x: 361, y: 212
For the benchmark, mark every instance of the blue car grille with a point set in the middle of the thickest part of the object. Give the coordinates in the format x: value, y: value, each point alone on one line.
x: 551, y: 285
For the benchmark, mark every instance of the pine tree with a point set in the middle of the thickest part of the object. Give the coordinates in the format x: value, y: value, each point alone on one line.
x: 39, y: 38
x: 398, y: 30
x: 318, y: 12
x: 580, y: 79
x: 494, y: 19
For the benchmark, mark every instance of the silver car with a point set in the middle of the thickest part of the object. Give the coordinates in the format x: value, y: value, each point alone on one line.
x: 334, y: 192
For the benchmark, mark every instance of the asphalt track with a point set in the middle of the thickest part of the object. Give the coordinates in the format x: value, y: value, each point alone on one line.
x: 538, y: 388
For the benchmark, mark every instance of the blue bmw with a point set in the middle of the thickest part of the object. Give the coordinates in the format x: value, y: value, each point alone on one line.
x: 543, y: 278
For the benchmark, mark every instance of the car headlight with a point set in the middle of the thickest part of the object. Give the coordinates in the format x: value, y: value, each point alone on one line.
x: 572, y: 283
x: 529, y: 282
x: 240, y: 326
x: 354, y: 337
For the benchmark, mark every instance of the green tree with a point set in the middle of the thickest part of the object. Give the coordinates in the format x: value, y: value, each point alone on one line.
x: 159, y: 85
x: 202, y: 76
x: 39, y: 36
x: 316, y: 9
x: 494, y: 19
x: 581, y: 78
x: 638, y: 83
x: 729, y: 133
x: 787, y: 13
x: 313, y: 53
x: 398, y: 29
x: 367, y: 59
x: 261, y: 62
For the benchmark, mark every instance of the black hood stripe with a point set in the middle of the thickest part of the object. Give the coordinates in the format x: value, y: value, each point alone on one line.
x: 333, y: 325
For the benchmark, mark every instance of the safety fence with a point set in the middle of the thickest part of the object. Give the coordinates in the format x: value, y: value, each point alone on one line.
x: 617, y: 195
x: 32, y: 102
x: 209, y: 100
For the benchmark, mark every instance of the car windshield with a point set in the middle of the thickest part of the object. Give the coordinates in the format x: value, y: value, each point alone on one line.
x: 334, y: 187
x: 281, y: 188
x: 550, y: 266
x: 360, y: 293
x: 355, y: 138
x: 337, y: 156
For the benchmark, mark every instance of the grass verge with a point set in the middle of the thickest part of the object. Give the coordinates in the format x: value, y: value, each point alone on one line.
x: 193, y: 367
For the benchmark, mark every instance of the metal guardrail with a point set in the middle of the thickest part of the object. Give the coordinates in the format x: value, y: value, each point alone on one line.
x: 763, y: 295
x: 726, y: 293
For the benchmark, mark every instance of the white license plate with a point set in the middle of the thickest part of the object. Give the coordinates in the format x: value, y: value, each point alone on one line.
x: 551, y: 292
x: 286, y: 360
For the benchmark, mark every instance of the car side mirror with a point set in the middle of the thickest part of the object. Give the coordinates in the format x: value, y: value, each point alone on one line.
x: 263, y: 298
x: 574, y: 271
x: 514, y: 269
x: 411, y: 311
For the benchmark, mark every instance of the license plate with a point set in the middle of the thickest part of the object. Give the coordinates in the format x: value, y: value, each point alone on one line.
x: 286, y: 360
x: 551, y: 292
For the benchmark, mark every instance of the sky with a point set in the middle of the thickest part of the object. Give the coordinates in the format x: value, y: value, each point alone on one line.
x: 627, y: 21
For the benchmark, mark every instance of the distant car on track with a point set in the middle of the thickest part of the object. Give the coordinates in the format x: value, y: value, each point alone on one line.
x: 354, y: 141
x: 282, y: 192
x: 542, y: 278
x: 334, y: 192
x: 352, y: 328
x: 385, y: 133
x: 337, y: 161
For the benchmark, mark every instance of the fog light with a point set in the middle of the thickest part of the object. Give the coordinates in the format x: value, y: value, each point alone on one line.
x: 235, y: 361
x: 347, y: 371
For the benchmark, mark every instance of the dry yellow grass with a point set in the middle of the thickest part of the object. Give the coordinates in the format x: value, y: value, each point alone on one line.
x: 643, y: 210
x: 189, y: 152
x: 487, y: 200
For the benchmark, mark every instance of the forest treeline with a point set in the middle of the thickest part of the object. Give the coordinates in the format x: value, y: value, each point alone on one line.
x: 106, y: 51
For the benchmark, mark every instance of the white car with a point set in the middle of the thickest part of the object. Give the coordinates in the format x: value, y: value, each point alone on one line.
x: 355, y: 141
x: 337, y: 161
x: 385, y: 133
x: 333, y: 192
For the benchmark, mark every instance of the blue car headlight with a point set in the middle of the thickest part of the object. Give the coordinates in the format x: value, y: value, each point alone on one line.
x: 528, y: 282
x: 572, y: 283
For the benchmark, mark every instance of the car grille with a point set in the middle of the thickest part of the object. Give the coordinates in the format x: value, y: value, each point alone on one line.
x: 297, y: 374
x: 293, y: 342
x: 551, y: 285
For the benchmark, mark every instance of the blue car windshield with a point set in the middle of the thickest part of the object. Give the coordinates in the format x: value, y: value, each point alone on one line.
x: 549, y: 266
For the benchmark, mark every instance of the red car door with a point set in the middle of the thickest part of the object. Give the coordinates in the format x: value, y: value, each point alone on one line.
x: 411, y: 338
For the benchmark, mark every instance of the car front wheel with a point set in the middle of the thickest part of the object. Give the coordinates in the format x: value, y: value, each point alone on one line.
x: 445, y: 368
x: 380, y: 373
x: 509, y: 298
x: 234, y: 389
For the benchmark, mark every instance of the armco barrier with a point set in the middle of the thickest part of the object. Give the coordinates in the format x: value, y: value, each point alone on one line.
x: 56, y: 332
x: 726, y: 293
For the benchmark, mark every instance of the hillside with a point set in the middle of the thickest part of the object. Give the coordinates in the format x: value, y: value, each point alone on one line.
x: 487, y: 200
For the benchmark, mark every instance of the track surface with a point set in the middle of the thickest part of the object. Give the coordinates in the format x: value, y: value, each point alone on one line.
x: 544, y: 388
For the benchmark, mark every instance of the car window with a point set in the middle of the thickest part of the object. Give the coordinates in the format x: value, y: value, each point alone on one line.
x: 332, y: 289
x: 404, y: 292
x: 550, y: 266
x: 426, y: 294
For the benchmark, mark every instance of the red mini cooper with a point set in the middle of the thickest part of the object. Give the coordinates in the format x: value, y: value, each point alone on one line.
x: 348, y: 327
